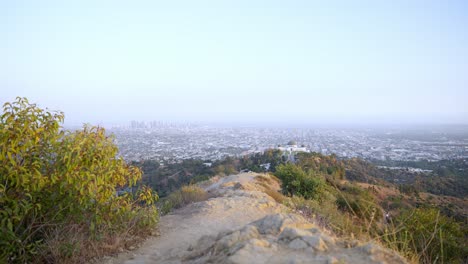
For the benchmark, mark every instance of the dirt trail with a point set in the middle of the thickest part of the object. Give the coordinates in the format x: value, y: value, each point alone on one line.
x: 242, y: 224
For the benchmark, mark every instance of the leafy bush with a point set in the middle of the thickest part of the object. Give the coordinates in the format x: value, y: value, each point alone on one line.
x: 51, y: 179
x: 297, y: 182
x: 328, y: 165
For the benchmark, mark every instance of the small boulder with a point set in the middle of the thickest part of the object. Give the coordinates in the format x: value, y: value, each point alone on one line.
x: 275, y: 223
x: 370, y: 248
x: 298, y: 244
x: 292, y: 233
x: 316, y: 242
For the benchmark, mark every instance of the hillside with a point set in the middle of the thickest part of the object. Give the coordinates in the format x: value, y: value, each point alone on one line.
x: 240, y: 224
x: 68, y: 198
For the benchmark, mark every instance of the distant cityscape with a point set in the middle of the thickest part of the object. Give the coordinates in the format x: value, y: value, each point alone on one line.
x: 172, y: 142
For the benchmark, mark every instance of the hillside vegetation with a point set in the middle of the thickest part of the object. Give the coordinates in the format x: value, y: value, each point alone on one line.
x: 446, y: 177
x: 66, y: 197
x: 418, y: 231
x: 167, y: 178
x: 58, y: 190
x: 353, y: 199
x: 398, y: 189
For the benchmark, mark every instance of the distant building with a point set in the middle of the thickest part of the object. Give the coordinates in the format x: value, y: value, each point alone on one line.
x: 265, y: 166
x: 292, y: 147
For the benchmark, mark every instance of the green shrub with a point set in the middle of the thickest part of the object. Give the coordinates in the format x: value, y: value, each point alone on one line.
x: 51, y: 178
x: 297, y: 182
x: 421, y: 235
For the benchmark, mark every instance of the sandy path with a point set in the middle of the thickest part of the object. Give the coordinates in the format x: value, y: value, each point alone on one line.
x: 184, y: 227
x: 242, y: 224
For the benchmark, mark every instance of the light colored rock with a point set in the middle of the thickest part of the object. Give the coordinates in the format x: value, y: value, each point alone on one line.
x: 328, y: 239
x: 271, y: 224
x: 202, y: 244
x: 332, y: 260
x: 237, y: 236
x: 314, y: 230
x: 227, y: 241
x: 229, y: 184
x: 298, y: 244
x: 291, y: 233
x: 255, y: 250
x: 316, y: 242
x: 275, y: 223
x: 259, y: 243
x: 370, y: 248
x: 248, y: 232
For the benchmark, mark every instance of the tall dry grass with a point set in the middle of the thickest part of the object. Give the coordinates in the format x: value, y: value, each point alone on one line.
x: 185, y: 195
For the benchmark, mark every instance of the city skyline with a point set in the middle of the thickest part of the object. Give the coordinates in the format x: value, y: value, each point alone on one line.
x: 265, y: 63
x: 166, y: 142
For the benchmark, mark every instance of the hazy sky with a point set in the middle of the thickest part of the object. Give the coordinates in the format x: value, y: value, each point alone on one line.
x: 252, y: 61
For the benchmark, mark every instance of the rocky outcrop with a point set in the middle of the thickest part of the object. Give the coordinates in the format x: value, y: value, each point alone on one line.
x: 283, y: 238
x: 244, y: 225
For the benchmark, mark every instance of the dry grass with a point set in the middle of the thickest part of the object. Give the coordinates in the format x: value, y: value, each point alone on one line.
x: 262, y: 179
x: 268, y: 181
x: 271, y: 186
x: 72, y: 243
x: 350, y: 227
x: 183, y: 196
x: 273, y: 177
x: 326, y: 215
x: 277, y: 196
x: 192, y: 194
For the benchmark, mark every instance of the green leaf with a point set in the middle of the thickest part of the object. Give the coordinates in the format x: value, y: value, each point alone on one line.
x: 10, y: 226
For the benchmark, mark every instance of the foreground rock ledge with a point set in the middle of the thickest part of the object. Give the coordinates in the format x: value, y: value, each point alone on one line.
x: 244, y: 225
